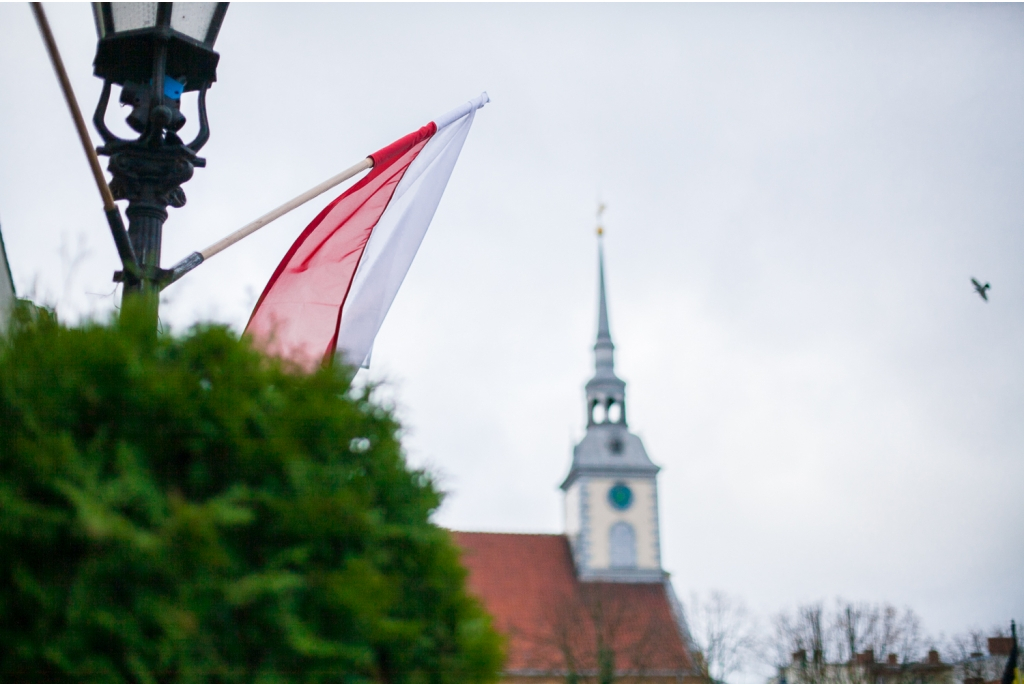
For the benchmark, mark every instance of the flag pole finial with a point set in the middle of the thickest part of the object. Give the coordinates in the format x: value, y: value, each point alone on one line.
x: 600, y: 213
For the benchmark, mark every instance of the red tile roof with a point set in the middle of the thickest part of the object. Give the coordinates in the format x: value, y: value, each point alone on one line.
x: 557, y: 625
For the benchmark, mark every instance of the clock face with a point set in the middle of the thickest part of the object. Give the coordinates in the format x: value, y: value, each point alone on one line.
x: 620, y: 496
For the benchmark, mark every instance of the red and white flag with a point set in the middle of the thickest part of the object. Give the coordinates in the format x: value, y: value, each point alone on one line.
x: 335, y: 285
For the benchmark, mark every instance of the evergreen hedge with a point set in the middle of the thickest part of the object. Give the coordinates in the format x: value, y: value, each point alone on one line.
x: 186, y: 509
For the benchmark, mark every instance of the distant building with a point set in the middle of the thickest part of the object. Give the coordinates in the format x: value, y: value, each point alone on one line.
x: 977, y: 668
x: 985, y: 668
x: 594, y: 604
x: 864, y: 668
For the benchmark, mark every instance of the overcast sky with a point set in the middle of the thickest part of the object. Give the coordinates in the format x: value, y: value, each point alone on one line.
x: 797, y: 199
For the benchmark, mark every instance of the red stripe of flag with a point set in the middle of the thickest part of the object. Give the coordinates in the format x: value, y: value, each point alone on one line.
x: 298, y: 314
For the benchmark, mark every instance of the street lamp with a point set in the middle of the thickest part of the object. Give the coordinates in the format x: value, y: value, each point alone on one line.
x: 155, y: 51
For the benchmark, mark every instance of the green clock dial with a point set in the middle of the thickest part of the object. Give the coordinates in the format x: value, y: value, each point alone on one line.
x: 620, y: 496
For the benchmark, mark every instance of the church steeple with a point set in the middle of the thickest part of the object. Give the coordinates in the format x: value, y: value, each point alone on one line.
x: 606, y: 394
x: 611, y: 489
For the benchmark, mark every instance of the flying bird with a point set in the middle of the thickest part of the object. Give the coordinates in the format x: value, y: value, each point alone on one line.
x: 981, y: 289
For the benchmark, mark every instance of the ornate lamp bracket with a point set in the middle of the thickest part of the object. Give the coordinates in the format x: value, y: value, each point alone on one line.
x: 149, y: 171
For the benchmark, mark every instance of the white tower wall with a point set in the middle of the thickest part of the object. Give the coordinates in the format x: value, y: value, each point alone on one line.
x: 642, y: 516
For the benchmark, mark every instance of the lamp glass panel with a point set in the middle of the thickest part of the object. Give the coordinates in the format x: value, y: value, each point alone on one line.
x: 133, y: 15
x: 193, y: 18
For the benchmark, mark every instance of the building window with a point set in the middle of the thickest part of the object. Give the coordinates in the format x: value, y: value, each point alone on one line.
x: 622, y: 545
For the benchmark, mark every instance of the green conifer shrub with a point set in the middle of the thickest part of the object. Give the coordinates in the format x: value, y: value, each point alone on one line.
x: 186, y: 509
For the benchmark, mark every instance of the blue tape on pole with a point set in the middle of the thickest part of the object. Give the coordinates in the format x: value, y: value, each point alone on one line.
x: 172, y: 88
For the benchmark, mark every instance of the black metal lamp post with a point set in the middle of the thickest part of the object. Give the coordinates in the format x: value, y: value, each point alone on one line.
x: 155, y: 51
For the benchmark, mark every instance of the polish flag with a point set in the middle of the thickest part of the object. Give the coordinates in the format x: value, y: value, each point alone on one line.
x: 336, y: 283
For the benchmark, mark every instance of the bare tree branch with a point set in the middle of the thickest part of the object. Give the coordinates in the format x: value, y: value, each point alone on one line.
x: 724, y: 631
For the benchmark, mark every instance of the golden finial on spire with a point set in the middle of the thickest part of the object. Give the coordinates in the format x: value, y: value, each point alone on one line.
x: 600, y: 212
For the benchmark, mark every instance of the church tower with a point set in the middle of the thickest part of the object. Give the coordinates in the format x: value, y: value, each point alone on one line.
x: 611, y: 492
x: 599, y: 587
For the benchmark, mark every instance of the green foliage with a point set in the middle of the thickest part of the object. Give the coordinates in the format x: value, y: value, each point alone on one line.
x: 184, y: 509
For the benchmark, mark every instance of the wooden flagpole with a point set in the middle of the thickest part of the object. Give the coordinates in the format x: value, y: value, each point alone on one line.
x: 121, y: 241
x: 197, y: 258
x: 256, y: 225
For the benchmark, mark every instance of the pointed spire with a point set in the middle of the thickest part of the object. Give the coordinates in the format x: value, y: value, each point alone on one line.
x: 603, y: 332
x: 604, y: 349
